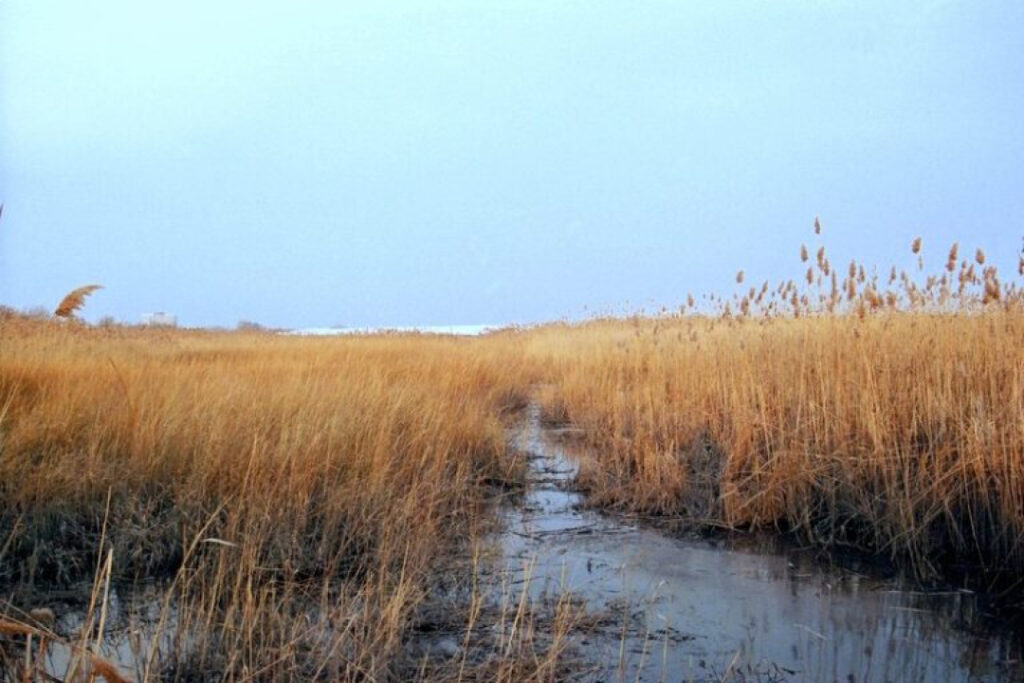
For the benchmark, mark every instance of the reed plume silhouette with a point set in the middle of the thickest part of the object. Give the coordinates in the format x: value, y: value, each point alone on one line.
x: 74, y: 300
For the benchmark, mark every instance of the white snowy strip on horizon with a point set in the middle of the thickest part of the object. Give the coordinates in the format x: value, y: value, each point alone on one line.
x: 458, y: 330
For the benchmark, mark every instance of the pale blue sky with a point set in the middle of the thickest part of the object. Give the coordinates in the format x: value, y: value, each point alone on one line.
x: 310, y: 164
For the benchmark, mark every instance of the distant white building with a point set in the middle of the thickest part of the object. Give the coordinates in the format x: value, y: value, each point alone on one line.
x: 159, y: 318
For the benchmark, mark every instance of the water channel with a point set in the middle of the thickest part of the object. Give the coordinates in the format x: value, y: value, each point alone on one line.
x: 693, y: 609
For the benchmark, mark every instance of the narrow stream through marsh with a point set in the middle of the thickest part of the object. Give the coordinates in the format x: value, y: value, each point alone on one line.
x: 689, y: 609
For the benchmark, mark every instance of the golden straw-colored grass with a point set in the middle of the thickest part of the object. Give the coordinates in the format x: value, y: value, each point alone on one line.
x: 899, y: 434
x: 299, y: 491
x: 300, y: 495
x: 888, y: 416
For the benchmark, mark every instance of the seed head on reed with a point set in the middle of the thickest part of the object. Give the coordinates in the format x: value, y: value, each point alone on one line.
x: 979, y: 256
x: 803, y: 253
x: 74, y: 300
x: 951, y: 259
x: 739, y: 277
x: 915, y: 246
x: 992, y: 289
x: 817, y: 226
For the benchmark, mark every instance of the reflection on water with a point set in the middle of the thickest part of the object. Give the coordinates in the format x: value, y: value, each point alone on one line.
x: 137, y: 627
x: 694, y: 607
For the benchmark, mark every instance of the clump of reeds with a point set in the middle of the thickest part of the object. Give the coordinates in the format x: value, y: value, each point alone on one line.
x: 296, y: 495
x: 859, y: 412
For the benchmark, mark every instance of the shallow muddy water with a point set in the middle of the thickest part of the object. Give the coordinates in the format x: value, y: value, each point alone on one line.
x: 691, y: 609
x: 138, y: 625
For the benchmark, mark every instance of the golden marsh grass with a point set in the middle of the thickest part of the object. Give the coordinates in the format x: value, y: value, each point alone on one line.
x: 300, y: 495
x: 269, y: 475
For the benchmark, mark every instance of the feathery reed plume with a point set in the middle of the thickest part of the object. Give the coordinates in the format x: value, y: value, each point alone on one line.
x: 979, y: 256
x: 872, y: 297
x: 739, y: 277
x: 915, y: 246
x: 817, y: 226
x: 74, y: 300
x: 951, y: 259
x: 803, y: 253
x: 992, y: 290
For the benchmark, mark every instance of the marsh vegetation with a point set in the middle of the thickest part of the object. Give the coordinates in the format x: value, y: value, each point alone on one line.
x: 311, y: 508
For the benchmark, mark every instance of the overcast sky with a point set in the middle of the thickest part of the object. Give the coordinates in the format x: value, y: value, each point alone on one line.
x: 373, y: 163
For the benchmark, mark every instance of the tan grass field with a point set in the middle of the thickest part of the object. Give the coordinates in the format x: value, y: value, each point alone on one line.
x: 882, y: 414
x: 901, y: 434
x: 268, y: 472
x: 300, y: 495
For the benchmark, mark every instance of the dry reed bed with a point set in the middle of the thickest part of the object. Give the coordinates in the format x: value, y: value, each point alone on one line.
x: 300, y: 491
x: 889, y: 421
